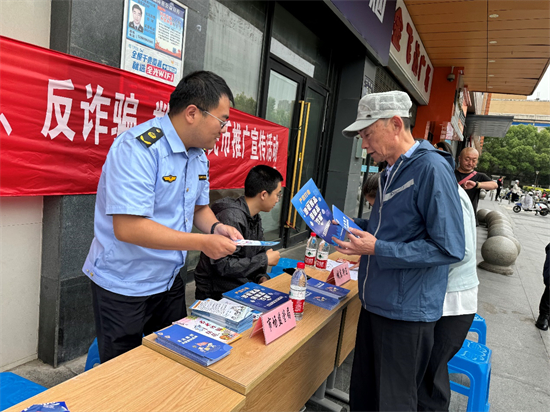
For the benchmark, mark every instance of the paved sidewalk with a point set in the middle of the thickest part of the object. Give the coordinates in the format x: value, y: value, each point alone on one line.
x: 520, y: 379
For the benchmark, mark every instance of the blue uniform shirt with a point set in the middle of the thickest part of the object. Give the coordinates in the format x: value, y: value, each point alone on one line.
x: 162, y: 181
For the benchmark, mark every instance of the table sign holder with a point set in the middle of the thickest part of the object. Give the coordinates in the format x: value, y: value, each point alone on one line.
x: 276, y: 322
x: 339, y: 275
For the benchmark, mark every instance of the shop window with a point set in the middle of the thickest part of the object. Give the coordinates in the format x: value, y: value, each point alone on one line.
x: 234, y: 39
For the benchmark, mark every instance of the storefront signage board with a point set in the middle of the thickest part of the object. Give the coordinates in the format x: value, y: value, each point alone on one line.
x: 408, y: 60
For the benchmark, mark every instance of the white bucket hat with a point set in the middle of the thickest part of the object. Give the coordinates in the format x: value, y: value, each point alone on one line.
x: 376, y: 106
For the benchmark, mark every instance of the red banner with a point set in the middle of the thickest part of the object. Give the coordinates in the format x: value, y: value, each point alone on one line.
x: 59, y: 115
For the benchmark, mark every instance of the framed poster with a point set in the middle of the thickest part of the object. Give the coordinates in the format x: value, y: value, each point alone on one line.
x: 153, y: 39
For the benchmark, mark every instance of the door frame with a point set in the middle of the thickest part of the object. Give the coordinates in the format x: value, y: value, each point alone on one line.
x: 286, y: 233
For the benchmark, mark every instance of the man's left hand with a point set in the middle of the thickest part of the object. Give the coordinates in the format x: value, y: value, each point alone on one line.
x: 361, y: 243
x: 228, y: 231
x: 470, y: 184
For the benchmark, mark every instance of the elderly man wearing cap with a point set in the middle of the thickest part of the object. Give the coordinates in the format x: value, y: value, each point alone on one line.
x: 414, y: 232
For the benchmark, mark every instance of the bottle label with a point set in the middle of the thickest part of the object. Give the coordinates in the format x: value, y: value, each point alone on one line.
x: 309, y: 258
x: 297, y: 292
x: 297, y: 305
x: 321, y: 263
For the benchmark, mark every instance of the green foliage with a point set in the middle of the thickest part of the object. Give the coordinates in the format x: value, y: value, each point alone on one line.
x: 518, y: 155
x: 245, y: 104
x: 279, y: 112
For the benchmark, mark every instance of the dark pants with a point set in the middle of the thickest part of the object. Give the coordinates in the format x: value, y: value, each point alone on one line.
x: 391, y: 357
x: 544, y: 306
x: 121, y: 321
x: 435, y: 391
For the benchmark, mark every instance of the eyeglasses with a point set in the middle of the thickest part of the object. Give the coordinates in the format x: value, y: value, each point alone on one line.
x: 222, y: 123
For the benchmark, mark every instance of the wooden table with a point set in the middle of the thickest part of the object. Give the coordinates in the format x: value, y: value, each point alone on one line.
x: 350, y: 315
x: 139, y: 380
x: 283, y: 375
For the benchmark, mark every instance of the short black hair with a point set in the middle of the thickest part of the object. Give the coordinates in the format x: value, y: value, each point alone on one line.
x: 202, y: 88
x: 261, y: 178
x: 135, y: 6
x: 370, y: 188
x: 445, y: 146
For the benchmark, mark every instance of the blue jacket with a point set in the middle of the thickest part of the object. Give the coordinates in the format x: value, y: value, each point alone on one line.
x: 417, y: 220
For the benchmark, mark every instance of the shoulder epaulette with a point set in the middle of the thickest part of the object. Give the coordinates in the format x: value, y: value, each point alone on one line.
x: 151, y: 136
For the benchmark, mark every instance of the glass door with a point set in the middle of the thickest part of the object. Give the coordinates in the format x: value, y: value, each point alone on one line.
x: 295, y: 102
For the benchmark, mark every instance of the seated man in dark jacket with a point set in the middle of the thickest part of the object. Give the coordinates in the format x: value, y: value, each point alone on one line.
x: 262, y: 190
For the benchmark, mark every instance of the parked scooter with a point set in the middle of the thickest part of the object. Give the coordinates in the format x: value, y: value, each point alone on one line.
x: 530, y: 205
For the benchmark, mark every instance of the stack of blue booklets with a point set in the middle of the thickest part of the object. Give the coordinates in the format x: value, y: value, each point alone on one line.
x: 232, y: 315
x: 315, y: 297
x: 257, y: 297
x: 328, y: 289
x: 193, y: 345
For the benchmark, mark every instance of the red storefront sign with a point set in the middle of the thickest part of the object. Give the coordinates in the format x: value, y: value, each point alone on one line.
x: 59, y: 115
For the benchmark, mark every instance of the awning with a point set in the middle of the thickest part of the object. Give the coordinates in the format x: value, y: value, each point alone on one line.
x: 486, y: 125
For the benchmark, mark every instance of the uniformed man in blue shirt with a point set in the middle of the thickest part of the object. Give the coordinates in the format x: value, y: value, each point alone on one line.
x: 154, y: 186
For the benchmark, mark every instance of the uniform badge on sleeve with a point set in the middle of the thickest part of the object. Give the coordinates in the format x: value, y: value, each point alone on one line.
x: 150, y: 136
x: 169, y: 178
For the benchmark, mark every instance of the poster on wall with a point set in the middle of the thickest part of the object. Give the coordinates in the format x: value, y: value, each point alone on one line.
x: 153, y: 39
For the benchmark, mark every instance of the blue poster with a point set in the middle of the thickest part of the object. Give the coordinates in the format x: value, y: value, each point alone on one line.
x: 314, y: 210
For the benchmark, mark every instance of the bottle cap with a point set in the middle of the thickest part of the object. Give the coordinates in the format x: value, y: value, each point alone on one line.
x: 301, y: 265
x: 312, y: 234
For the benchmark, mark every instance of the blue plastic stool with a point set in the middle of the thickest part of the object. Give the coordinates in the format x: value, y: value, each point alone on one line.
x: 93, y: 356
x: 474, y: 361
x: 283, y: 263
x: 480, y: 327
x: 15, y: 389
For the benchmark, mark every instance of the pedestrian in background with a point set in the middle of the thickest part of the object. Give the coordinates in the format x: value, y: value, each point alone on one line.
x: 544, y: 306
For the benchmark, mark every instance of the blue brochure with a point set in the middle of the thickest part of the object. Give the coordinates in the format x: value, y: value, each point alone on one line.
x: 257, y: 297
x: 343, y: 220
x: 317, y: 298
x: 314, y: 210
x: 192, y: 345
x: 328, y: 289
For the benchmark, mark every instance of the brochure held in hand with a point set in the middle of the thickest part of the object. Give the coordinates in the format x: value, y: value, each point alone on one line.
x: 313, y: 208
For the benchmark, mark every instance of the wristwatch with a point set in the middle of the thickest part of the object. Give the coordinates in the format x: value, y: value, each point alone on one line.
x: 214, y: 227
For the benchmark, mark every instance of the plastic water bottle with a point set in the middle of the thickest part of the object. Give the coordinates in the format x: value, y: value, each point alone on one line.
x: 311, y: 250
x: 322, y: 255
x: 298, y: 286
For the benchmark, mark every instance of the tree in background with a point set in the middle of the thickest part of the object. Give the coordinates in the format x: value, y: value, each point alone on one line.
x: 245, y: 104
x: 518, y: 155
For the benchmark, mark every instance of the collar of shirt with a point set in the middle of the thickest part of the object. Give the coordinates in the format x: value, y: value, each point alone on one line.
x: 408, y: 153
x: 389, y: 168
x: 174, y: 140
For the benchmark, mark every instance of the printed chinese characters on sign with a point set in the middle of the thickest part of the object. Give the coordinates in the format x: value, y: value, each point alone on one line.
x: 408, y: 55
x: 95, y: 110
